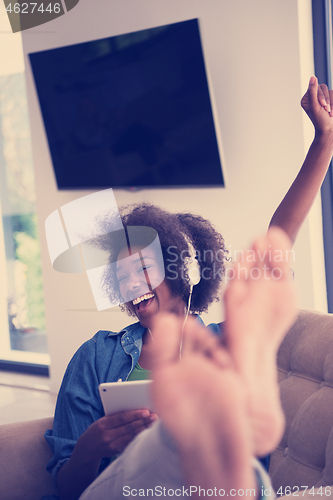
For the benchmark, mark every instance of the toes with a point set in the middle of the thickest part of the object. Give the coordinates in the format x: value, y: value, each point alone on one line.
x: 199, y: 340
x: 170, y: 343
x: 235, y: 293
x: 281, y: 251
x: 263, y: 256
x: 166, y: 333
x: 271, y: 256
x: 267, y: 259
x: 222, y: 358
x: 195, y: 338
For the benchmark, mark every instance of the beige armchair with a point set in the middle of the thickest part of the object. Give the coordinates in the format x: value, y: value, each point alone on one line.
x: 305, y: 366
x: 24, y: 454
x: 304, y: 457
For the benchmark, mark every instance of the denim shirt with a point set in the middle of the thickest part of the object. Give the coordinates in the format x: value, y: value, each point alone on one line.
x: 107, y: 357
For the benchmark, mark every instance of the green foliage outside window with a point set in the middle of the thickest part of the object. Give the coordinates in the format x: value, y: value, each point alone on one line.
x: 18, y: 207
x: 27, y: 252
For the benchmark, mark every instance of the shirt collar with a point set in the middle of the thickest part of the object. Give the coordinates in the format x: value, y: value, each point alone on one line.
x: 139, y: 330
x: 135, y: 328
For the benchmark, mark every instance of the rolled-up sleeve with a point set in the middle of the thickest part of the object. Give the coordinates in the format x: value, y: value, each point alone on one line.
x: 78, y: 406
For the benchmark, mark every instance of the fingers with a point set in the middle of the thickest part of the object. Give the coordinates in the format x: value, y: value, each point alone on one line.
x: 331, y: 101
x: 116, y: 440
x: 110, y: 434
x: 317, y: 102
x: 120, y: 443
x: 317, y: 94
x: 324, y: 97
x: 118, y: 430
x: 312, y: 93
x: 127, y: 417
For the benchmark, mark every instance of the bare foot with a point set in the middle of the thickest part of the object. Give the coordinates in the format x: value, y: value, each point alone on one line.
x: 220, y: 404
x: 202, y: 402
x: 260, y: 306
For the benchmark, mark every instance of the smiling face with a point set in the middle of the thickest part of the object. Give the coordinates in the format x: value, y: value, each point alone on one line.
x: 140, y: 277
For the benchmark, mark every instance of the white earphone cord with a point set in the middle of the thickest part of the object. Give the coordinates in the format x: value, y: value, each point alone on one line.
x: 186, y: 316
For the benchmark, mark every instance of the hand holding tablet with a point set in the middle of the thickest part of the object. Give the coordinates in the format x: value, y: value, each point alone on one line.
x: 123, y: 396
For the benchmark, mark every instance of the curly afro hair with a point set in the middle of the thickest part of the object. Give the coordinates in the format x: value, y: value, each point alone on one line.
x: 175, y: 231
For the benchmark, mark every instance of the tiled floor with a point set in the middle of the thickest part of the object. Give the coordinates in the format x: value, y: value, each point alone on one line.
x: 24, y: 397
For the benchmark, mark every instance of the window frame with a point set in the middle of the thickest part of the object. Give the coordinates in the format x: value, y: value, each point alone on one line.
x: 323, y: 52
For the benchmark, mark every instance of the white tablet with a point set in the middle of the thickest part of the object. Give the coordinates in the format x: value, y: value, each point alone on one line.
x: 122, y: 396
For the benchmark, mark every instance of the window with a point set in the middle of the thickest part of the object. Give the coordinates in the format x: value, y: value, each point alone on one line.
x: 22, y: 318
x: 322, y: 41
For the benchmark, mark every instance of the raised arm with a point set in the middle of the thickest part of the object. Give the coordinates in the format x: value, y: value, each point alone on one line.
x: 290, y: 214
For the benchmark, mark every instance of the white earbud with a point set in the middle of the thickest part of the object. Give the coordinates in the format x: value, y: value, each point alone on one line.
x: 191, y: 265
x: 192, y: 269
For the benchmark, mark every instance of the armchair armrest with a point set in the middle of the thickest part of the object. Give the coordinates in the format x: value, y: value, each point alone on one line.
x: 24, y: 454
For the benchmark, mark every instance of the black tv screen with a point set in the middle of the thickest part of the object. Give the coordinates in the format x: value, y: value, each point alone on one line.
x: 129, y: 111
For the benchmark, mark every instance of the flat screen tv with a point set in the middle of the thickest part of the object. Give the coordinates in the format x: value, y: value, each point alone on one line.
x: 130, y: 111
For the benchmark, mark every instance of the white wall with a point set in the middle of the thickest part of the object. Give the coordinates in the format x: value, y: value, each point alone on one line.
x: 259, y: 63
